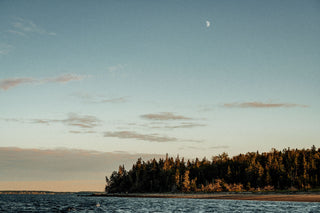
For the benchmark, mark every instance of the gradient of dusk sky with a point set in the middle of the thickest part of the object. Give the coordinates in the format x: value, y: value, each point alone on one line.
x: 154, y: 77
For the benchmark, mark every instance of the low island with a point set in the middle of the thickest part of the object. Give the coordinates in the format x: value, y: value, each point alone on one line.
x: 287, y: 175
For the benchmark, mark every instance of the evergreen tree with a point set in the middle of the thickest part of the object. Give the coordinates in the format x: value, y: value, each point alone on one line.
x: 287, y: 169
x: 186, y: 182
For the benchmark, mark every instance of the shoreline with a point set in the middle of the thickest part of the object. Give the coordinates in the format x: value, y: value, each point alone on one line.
x: 297, y: 197
x: 254, y: 196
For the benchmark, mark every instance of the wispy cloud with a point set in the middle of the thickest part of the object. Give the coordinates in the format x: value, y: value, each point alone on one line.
x: 73, y: 120
x: 9, y: 83
x: 115, y: 68
x: 206, y: 108
x: 41, y: 121
x: 147, y: 137
x: 177, y: 126
x: 11, y: 119
x: 201, y: 148
x: 81, y: 132
x: 164, y: 116
x: 99, y: 99
x: 23, y: 27
x: 261, y: 105
x: 6, y: 84
x: 65, y: 78
x: 186, y: 125
x: 114, y: 100
x: 138, y: 136
x: 5, y: 48
x: 16, y: 32
x: 83, y: 95
x: 85, y: 121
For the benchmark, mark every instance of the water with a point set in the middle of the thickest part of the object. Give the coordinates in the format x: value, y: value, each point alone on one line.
x: 73, y: 203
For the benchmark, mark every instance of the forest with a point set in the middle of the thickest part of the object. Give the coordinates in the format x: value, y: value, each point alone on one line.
x: 289, y: 169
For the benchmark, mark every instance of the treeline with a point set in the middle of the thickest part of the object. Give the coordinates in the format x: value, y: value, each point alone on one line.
x: 290, y: 169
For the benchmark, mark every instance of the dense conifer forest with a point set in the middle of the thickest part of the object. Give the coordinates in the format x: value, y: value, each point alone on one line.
x: 289, y: 169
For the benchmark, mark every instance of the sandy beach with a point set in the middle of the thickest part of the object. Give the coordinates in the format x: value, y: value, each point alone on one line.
x: 299, y: 197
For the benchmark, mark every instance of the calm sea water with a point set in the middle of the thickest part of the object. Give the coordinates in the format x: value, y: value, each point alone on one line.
x: 73, y: 203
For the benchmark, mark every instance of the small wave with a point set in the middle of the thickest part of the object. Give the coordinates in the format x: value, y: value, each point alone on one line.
x: 72, y: 203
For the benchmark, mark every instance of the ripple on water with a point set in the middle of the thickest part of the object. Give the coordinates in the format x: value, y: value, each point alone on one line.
x: 73, y: 203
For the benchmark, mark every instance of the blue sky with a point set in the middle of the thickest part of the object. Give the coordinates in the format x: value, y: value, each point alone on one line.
x: 153, y: 77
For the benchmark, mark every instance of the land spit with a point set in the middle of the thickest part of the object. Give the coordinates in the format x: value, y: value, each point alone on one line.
x: 295, y: 197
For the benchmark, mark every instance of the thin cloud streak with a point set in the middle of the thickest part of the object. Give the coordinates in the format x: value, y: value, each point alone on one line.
x: 11, y: 119
x: 65, y: 78
x: 99, y: 99
x: 73, y: 119
x: 24, y: 26
x: 6, y: 84
x: 138, y: 136
x: 16, y: 32
x: 81, y: 132
x: 163, y: 116
x: 261, y: 105
x: 115, y: 68
x: 5, y: 49
x: 164, y: 125
x: 178, y: 126
x: 85, y: 121
x: 9, y: 83
x: 185, y: 125
x: 40, y: 121
x: 201, y: 148
x: 114, y: 100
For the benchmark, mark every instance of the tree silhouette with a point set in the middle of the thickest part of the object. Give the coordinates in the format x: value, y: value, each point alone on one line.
x: 291, y: 169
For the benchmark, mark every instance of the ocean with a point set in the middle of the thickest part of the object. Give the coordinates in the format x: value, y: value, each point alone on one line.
x: 73, y: 203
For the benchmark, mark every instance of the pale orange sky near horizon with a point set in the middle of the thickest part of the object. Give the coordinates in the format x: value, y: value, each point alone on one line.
x: 54, y: 186
x: 61, y: 170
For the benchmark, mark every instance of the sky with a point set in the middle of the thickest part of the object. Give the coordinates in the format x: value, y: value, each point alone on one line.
x: 105, y: 82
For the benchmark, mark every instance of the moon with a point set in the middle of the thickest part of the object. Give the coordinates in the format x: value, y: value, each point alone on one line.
x: 208, y: 24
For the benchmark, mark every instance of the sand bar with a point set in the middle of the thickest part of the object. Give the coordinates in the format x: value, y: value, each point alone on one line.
x: 299, y: 197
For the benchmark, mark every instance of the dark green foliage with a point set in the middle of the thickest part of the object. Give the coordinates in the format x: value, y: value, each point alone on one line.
x: 287, y: 169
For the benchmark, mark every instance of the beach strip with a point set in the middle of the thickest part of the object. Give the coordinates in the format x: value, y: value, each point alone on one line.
x: 258, y: 197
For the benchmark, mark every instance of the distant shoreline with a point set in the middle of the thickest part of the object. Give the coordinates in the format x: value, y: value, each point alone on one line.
x: 294, y: 197
x: 297, y: 196
x: 26, y: 192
